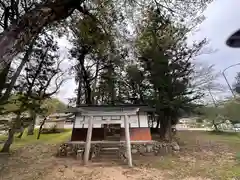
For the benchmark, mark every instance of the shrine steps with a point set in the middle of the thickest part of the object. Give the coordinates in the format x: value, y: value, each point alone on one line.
x: 108, y: 152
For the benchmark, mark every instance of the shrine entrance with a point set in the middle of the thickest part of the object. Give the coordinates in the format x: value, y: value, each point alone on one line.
x: 112, y: 132
x: 111, y: 122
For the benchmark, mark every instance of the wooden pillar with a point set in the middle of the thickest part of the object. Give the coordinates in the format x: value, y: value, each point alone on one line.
x: 88, y: 140
x: 128, y: 142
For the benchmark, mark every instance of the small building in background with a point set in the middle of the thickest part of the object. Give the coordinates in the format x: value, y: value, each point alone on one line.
x: 58, y: 121
x: 54, y: 123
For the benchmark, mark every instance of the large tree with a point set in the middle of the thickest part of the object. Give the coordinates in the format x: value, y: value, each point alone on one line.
x: 89, y: 42
x: 32, y: 19
x: 96, y: 55
x: 166, y: 59
x: 41, y: 72
x: 42, y: 78
x: 136, y: 84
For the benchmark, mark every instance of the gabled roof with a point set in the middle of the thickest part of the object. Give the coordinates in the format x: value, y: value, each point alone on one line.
x: 142, y: 108
x: 59, y: 115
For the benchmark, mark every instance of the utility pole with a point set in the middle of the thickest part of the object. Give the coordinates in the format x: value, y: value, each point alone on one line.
x: 224, y: 75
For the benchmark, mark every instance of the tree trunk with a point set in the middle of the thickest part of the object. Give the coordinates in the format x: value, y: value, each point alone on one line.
x: 94, y: 86
x: 79, y: 93
x: 18, y: 71
x: 30, y: 129
x: 111, y: 84
x: 88, y: 92
x: 11, y: 132
x: 20, y: 135
x: 85, y: 76
x: 40, y: 129
x: 158, y: 123
x: 3, y: 78
x: 165, y: 129
x: 32, y: 124
x: 7, y: 144
x: 13, y: 80
x: 21, y: 132
x: 16, y: 36
x: 215, y: 125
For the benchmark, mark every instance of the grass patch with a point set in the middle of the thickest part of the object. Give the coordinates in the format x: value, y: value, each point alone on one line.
x: 191, y: 167
x: 225, y: 135
x: 203, y: 154
x: 2, y: 137
x: 44, y: 138
x: 228, y: 138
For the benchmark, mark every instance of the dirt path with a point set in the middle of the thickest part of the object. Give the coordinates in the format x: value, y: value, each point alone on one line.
x: 93, y: 172
x: 39, y: 163
x: 106, y: 172
x: 75, y: 171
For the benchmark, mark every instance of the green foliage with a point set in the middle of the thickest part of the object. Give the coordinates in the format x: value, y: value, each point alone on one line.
x: 231, y: 111
x: 135, y: 79
x: 210, y: 112
x: 98, y: 55
x: 238, y: 156
x: 228, y: 110
x: 53, y: 105
x: 48, y: 106
x: 13, y: 104
x: 165, y: 57
x: 236, y: 85
x: 160, y: 71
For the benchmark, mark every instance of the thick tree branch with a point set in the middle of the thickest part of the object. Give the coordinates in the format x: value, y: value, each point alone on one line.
x: 57, y: 85
x: 18, y: 71
x: 13, y: 40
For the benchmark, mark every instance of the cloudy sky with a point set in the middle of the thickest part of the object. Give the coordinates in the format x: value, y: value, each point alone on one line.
x: 222, y: 19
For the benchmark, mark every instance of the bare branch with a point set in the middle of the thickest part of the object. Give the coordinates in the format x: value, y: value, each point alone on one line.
x: 57, y: 85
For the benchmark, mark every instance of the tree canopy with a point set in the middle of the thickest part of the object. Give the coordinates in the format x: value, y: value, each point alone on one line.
x: 236, y: 85
x: 48, y: 106
x: 216, y: 115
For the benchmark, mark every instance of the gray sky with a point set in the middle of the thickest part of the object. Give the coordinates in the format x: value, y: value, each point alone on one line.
x: 222, y: 19
x: 67, y: 89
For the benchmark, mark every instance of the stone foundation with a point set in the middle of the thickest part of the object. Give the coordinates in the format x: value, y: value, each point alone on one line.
x: 77, y: 150
x: 138, y: 148
x: 151, y: 148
